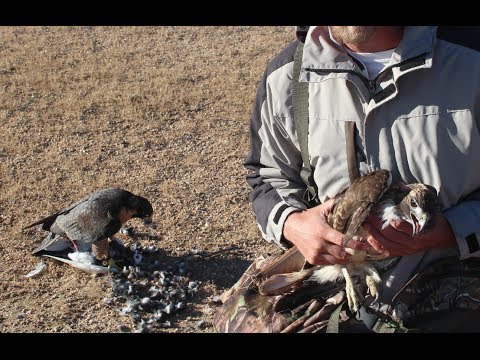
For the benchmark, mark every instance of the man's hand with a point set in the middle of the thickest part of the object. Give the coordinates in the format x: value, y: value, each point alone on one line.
x: 318, y: 242
x: 397, y: 240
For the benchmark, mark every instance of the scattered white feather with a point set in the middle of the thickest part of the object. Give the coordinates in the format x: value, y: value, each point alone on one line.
x: 38, y: 269
x: 81, y: 257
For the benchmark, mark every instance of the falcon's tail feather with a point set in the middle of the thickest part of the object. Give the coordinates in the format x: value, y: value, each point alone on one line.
x: 53, y: 243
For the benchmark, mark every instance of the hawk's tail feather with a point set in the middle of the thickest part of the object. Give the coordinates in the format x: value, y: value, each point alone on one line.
x: 280, y: 283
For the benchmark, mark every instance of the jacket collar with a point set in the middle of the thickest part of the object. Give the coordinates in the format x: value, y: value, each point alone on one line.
x: 321, y: 52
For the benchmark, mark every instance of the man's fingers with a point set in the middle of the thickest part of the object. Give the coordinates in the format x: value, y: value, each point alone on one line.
x: 398, y: 237
x: 398, y: 225
x: 326, y: 259
x: 324, y: 209
x: 332, y: 235
x: 374, y: 220
x: 381, y: 244
x: 327, y: 205
x: 336, y: 251
x: 358, y: 245
x: 402, y: 226
x: 329, y: 254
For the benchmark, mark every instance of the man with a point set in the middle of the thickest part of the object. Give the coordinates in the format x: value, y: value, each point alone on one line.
x: 413, y: 95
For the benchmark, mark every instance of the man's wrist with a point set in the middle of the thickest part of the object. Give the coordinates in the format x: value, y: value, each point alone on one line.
x: 289, y: 226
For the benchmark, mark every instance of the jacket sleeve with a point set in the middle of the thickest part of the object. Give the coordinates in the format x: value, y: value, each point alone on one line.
x: 464, y: 219
x: 274, y: 159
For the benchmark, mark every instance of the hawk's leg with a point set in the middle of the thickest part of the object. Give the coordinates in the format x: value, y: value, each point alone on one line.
x: 352, y: 291
x: 372, y: 279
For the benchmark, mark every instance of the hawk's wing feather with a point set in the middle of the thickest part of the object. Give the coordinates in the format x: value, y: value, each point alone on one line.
x: 353, y: 204
x: 356, y: 220
x: 53, y: 242
x: 93, y: 219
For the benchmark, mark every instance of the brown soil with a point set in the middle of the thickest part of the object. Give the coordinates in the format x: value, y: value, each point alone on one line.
x: 160, y: 111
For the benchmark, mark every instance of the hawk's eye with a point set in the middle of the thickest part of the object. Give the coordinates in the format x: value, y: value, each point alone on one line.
x: 413, y: 203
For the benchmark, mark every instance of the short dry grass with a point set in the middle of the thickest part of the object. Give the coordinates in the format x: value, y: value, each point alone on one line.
x: 160, y: 111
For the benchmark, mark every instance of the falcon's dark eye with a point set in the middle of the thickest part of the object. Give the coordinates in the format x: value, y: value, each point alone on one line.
x: 413, y: 203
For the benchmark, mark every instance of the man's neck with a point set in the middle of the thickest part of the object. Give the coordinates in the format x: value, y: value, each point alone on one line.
x: 384, y: 38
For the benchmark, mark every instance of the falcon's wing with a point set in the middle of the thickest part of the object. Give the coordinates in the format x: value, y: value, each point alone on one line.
x: 354, y: 203
x: 89, y: 221
x: 49, y: 220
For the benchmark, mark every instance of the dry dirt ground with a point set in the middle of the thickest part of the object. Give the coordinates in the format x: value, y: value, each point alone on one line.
x: 160, y: 111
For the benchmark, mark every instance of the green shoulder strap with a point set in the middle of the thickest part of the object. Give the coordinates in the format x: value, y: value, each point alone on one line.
x: 300, y: 114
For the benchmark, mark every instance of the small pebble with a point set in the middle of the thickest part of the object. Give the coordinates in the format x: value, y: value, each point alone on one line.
x: 208, y: 310
x: 127, y: 231
x: 124, y: 328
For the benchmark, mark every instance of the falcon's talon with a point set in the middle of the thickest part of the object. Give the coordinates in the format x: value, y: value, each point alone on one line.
x: 112, y: 265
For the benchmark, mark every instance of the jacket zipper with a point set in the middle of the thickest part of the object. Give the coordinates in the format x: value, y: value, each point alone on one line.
x: 401, y: 63
x: 370, y: 84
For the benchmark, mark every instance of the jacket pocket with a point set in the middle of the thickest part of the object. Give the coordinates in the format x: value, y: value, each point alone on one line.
x: 439, y: 148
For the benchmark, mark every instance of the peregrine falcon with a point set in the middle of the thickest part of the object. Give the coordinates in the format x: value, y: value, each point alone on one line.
x: 415, y: 203
x: 90, y: 222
